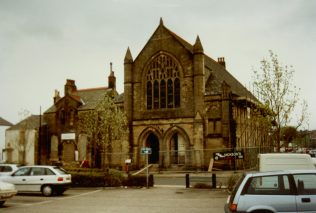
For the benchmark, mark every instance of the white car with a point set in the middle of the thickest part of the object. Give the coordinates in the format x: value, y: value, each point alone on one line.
x: 7, y: 169
x: 45, y: 179
x: 7, y: 190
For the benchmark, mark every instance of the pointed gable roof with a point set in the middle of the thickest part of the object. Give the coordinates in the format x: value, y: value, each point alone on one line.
x: 31, y: 122
x: 4, y: 122
x: 215, y: 73
x: 163, y: 30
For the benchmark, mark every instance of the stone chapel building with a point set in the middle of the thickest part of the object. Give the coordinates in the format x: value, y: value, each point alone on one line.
x: 179, y: 102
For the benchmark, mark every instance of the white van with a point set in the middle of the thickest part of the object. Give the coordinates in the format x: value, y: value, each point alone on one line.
x: 285, y: 161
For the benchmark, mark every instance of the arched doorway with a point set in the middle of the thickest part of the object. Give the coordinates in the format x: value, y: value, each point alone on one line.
x: 178, y: 149
x: 153, y: 143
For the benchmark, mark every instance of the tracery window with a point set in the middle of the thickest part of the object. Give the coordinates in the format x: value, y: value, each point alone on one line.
x: 163, y: 83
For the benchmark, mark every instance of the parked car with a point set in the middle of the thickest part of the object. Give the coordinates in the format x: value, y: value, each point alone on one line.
x: 275, y: 191
x: 7, y: 169
x: 46, y: 179
x: 312, y: 153
x: 7, y: 190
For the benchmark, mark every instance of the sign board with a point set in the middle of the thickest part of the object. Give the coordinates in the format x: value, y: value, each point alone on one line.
x: 228, y: 155
x: 145, y: 151
x: 68, y: 136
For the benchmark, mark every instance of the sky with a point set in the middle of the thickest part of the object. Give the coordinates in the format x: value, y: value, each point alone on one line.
x: 45, y: 42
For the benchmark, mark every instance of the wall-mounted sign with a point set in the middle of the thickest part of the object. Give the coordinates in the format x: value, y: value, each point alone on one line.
x: 68, y: 136
x: 228, y: 155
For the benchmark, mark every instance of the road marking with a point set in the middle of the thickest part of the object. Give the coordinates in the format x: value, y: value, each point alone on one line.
x: 79, y: 195
x: 52, y: 200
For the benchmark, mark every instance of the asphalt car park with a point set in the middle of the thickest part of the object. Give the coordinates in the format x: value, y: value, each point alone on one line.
x: 131, y: 200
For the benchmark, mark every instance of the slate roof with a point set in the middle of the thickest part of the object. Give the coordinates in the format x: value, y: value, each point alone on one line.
x: 4, y: 122
x: 89, y: 98
x: 31, y: 122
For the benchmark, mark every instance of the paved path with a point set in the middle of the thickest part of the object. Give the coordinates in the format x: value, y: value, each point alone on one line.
x: 125, y: 200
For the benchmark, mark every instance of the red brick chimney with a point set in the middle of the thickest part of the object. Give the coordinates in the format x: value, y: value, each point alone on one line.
x: 70, y: 87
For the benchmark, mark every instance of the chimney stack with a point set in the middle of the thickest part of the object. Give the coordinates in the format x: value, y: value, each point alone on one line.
x: 56, y: 96
x: 221, y: 61
x: 70, y: 87
x: 112, y: 79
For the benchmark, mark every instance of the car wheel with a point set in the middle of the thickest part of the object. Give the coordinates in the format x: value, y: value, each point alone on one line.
x: 47, y: 190
x: 1, y: 203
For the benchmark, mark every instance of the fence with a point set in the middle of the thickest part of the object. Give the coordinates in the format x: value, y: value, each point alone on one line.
x: 243, y: 158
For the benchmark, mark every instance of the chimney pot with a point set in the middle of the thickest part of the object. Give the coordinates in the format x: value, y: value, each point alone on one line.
x: 221, y: 61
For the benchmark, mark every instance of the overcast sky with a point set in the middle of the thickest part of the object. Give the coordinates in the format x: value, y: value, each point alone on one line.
x: 43, y: 43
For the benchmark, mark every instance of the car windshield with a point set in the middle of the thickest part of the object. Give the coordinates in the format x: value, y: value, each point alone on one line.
x: 60, y: 170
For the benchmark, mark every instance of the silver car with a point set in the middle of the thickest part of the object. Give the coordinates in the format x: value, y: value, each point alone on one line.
x: 7, y: 169
x: 7, y: 190
x: 46, y: 179
x: 277, y: 191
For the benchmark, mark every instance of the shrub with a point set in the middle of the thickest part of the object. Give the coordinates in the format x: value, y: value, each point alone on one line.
x: 95, y: 177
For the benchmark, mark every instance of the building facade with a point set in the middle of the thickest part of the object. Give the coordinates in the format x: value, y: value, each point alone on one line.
x: 21, y: 141
x: 179, y: 102
x: 184, y: 105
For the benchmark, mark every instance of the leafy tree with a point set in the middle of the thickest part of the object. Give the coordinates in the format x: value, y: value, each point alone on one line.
x: 103, y: 125
x: 275, y: 90
x: 288, y: 134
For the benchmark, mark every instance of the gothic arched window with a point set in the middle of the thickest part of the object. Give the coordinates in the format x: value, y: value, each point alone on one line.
x: 162, y: 94
x: 170, y: 93
x: 176, y: 92
x: 156, y: 95
x: 163, y: 83
x: 149, y: 95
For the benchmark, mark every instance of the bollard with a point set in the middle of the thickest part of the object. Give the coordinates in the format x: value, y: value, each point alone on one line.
x: 214, y: 181
x: 187, y: 181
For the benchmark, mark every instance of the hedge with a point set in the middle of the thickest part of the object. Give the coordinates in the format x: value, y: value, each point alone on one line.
x: 108, y: 178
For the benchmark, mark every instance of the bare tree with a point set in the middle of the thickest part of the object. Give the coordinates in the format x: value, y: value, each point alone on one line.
x: 275, y: 90
x: 103, y: 125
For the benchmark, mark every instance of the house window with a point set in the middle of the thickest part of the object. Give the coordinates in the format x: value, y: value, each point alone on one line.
x: 62, y: 116
x: 163, y: 83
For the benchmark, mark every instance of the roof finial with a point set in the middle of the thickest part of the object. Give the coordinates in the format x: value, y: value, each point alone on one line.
x: 161, y: 21
x: 111, y: 66
x: 128, y: 56
x: 197, y: 47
